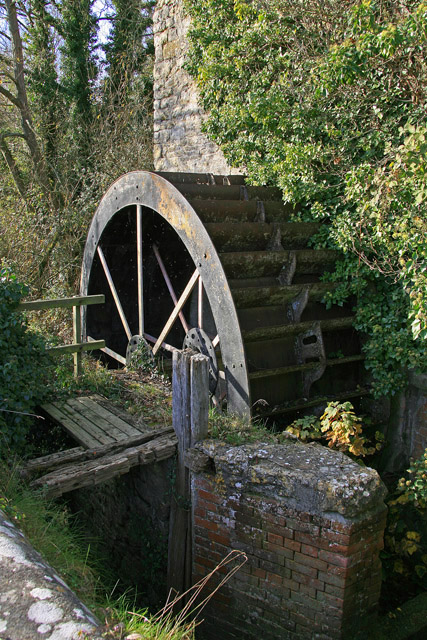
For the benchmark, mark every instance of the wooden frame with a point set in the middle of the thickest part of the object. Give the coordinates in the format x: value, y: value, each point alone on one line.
x: 76, y: 302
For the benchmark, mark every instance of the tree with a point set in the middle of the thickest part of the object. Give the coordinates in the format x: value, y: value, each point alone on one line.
x: 66, y: 129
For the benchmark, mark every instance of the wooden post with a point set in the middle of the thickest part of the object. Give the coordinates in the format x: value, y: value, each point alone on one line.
x: 190, y: 406
x: 77, y: 337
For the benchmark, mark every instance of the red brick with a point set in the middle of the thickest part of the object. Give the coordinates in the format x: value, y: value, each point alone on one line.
x: 275, y: 539
x: 208, y: 506
x: 274, y: 577
x: 205, y: 524
x: 305, y: 527
x: 260, y: 573
x: 292, y: 544
x: 274, y: 521
x: 334, y: 536
x: 281, y: 552
x: 220, y: 539
x: 210, y: 497
x: 313, y: 541
x: 309, y: 561
x: 332, y: 601
x: 292, y: 585
x: 337, y: 591
x: 309, y: 581
x: 201, y: 482
x: 309, y: 550
x: 335, y: 559
x: 329, y: 578
x: 301, y: 568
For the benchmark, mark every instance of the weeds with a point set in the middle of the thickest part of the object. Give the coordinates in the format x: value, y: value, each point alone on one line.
x: 53, y: 532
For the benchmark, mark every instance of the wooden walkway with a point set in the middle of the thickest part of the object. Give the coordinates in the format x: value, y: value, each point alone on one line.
x: 111, y: 443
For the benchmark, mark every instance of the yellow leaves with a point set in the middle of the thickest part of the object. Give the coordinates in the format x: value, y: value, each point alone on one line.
x: 413, y: 535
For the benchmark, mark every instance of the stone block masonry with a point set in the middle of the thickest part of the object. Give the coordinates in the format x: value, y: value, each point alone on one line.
x: 179, y: 144
x: 311, y: 524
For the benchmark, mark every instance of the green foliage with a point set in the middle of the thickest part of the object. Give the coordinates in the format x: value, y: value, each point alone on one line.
x: 237, y: 430
x: 306, y: 429
x: 53, y: 532
x: 24, y: 365
x: 340, y: 428
x: 327, y: 100
x: 405, y: 551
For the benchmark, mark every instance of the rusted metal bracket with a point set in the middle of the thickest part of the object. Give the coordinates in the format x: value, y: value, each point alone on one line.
x: 309, y: 347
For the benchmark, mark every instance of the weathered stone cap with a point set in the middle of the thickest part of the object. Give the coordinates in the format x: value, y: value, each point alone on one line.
x: 34, y: 602
x: 309, y: 476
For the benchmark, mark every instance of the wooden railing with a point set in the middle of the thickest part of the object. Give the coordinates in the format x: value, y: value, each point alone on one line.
x: 77, y: 347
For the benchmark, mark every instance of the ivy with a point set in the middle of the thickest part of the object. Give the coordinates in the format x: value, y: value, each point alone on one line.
x: 328, y: 100
x: 23, y: 366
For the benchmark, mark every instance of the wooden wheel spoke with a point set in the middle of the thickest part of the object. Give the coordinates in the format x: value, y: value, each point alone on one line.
x: 169, y: 285
x: 175, y: 313
x: 114, y: 293
x: 139, y: 269
x: 215, y: 341
x: 164, y: 345
x: 200, y: 304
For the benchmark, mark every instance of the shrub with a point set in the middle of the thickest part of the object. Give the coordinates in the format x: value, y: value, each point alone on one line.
x: 341, y: 429
x: 405, y: 549
x: 24, y: 365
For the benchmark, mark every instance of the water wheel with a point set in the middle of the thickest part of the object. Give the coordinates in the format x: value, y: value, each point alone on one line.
x: 207, y: 262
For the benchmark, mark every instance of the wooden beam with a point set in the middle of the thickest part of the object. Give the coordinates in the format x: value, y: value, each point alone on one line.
x: 114, y: 293
x: 139, y: 269
x: 60, y: 303
x: 169, y: 285
x: 75, y: 348
x: 181, y: 302
x: 93, y: 472
x: 109, y: 352
x: 80, y: 454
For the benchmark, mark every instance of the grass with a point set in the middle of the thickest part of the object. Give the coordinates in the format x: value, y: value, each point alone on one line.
x: 53, y: 532
x: 236, y: 431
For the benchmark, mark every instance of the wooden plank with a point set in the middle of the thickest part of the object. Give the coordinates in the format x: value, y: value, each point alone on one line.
x: 178, y: 576
x: 80, y: 454
x: 93, y: 472
x: 75, y: 348
x: 118, y: 423
x: 199, y: 398
x: 93, y: 415
x: 70, y: 425
x: 77, y: 337
x: 86, y: 425
x: 60, y: 303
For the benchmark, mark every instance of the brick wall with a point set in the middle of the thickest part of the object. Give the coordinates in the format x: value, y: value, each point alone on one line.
x: 310, y: 572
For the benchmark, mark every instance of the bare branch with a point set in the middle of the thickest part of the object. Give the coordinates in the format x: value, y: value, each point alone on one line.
x: 7, y: 94
x: 13, y: 167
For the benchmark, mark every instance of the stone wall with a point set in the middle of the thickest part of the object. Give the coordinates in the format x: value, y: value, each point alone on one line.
x: 311, y: 523
x: 34, y: 601
x: 179, y: 144
x: 127, y: 521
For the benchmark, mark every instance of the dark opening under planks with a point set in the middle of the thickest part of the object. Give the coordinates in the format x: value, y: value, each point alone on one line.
x: 90, y: 423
